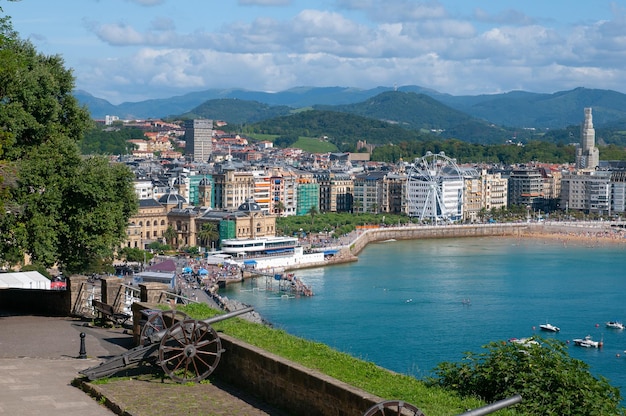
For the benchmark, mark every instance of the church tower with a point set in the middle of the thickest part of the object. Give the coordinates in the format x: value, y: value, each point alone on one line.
x: 587, y: 155
x: 204, y: 192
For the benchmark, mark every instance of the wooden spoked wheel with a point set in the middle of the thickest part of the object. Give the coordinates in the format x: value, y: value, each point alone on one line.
x: 159, y: 321
x: 190, y: 351
x: 393, y: 407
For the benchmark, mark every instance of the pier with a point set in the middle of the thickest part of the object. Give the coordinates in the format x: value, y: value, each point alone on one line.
x: 277, y: 280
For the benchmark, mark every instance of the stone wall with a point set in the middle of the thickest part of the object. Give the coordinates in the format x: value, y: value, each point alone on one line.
x: 43, y: 302
x: 288, y: 385
x: 35, y: 301
x: 422, y: 232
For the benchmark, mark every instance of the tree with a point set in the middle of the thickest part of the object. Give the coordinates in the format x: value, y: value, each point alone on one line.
x: 136, y: 255
x: 280, y: 207
x: 313, y: 212
x: 208, y: 232
x: 60, y: 208
x: 548, y: 379
x: 170, y: 235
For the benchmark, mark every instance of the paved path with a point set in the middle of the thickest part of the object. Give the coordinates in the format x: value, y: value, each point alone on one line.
x: 39, y: 360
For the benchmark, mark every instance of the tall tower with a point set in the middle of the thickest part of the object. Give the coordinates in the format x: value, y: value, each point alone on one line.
x: 587, y: 155
x: 199, y: 139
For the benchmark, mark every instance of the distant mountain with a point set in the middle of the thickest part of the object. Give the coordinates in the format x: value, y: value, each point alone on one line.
x: 518, y: 109
x: 558, y: 110
x: 421, y: 112
x: 236, y: 111
x: 160, y: 108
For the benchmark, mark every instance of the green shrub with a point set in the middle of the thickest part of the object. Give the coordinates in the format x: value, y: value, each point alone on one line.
x: 548, y: 379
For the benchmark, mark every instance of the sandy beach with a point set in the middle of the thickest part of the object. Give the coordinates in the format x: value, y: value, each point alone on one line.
x: 583, y: 237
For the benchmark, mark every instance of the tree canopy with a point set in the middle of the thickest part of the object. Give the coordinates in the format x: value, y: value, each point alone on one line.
x: 540, y: 370
x: 59, y: 208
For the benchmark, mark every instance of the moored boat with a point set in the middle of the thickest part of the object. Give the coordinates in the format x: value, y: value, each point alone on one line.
x: 527, y: 342
x: 549, y: 327
x: 615, y: 325
x: 587, y: 342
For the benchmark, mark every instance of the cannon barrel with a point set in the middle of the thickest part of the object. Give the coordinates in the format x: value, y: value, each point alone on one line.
x: 158, y: 336
x: 490, y: 408
x: 218, y: 318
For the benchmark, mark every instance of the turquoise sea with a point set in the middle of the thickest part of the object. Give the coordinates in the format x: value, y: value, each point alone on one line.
x: 402, y: 305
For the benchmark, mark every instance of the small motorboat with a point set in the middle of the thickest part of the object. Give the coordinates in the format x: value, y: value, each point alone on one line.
x: 527, y: 342
x: 549, y: 327
x: 587, y: 342
x: 615, y: 325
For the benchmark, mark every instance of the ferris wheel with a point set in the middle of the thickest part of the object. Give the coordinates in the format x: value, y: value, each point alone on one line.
x: 435, y: 189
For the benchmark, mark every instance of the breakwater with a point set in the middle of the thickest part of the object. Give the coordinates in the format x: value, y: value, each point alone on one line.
x: 349, y: 253
x: 434, y: 231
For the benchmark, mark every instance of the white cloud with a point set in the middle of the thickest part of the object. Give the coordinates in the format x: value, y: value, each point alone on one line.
x: 369, y: 43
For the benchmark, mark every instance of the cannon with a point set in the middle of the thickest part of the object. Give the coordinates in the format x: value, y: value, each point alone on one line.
x: 186, y: 349
x: 399, y: 407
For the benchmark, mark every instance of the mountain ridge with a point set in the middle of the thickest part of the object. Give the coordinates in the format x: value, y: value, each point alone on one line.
x: 518, y: 109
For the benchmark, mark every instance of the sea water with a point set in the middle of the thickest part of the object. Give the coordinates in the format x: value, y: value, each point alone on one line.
x: 409, y: 305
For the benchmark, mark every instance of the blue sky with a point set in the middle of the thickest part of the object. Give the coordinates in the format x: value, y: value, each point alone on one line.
x: 132, y: 50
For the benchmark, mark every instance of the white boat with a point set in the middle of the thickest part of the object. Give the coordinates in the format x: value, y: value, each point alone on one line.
x: 527, y: 342
x: 615, y: 325
x: 587, y: 342
x: 549, y: 327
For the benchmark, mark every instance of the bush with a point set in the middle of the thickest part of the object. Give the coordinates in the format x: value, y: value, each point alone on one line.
x: 548, y: 379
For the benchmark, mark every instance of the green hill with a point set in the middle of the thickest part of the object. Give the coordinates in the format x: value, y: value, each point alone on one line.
x: 342, y: 129
x: 235, y: 111
x: 421, y: 112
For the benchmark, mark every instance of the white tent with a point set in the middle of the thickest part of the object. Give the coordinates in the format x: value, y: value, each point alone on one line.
x: 24, y: 280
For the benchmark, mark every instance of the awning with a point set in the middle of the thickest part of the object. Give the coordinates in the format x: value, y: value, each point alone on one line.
x: 251, y: 262
x: 279, y: 250
x: 187, y: 270
x: 203, y: 271
x: 330, y: 252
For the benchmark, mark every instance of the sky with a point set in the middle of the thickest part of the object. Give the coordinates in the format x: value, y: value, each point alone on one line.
x: 133, y: 50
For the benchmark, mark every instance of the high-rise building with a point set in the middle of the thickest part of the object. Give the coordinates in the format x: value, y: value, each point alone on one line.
x: 587, y: 155
x: 587, y: 190
x: 199, y: 139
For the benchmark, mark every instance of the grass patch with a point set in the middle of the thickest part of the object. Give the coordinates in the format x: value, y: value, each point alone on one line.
x: 313, y: 145
x: 358, y: 373
x: 262, y: 137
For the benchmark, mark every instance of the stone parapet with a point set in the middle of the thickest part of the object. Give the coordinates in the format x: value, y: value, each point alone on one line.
x: 288, y: 385
x: 150, y: 292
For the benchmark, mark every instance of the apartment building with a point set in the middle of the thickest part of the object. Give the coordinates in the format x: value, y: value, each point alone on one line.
x: 587, y: 190
x: 526, y: 188
x: 308, y: 194
x: 335, y: 191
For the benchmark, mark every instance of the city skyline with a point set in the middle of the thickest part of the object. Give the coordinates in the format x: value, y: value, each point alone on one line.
x: 132, y: 50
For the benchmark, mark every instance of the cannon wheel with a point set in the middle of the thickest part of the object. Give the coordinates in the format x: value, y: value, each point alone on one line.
x: 190, y: 351
x: 393, y: 407
x: 159, y: 321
